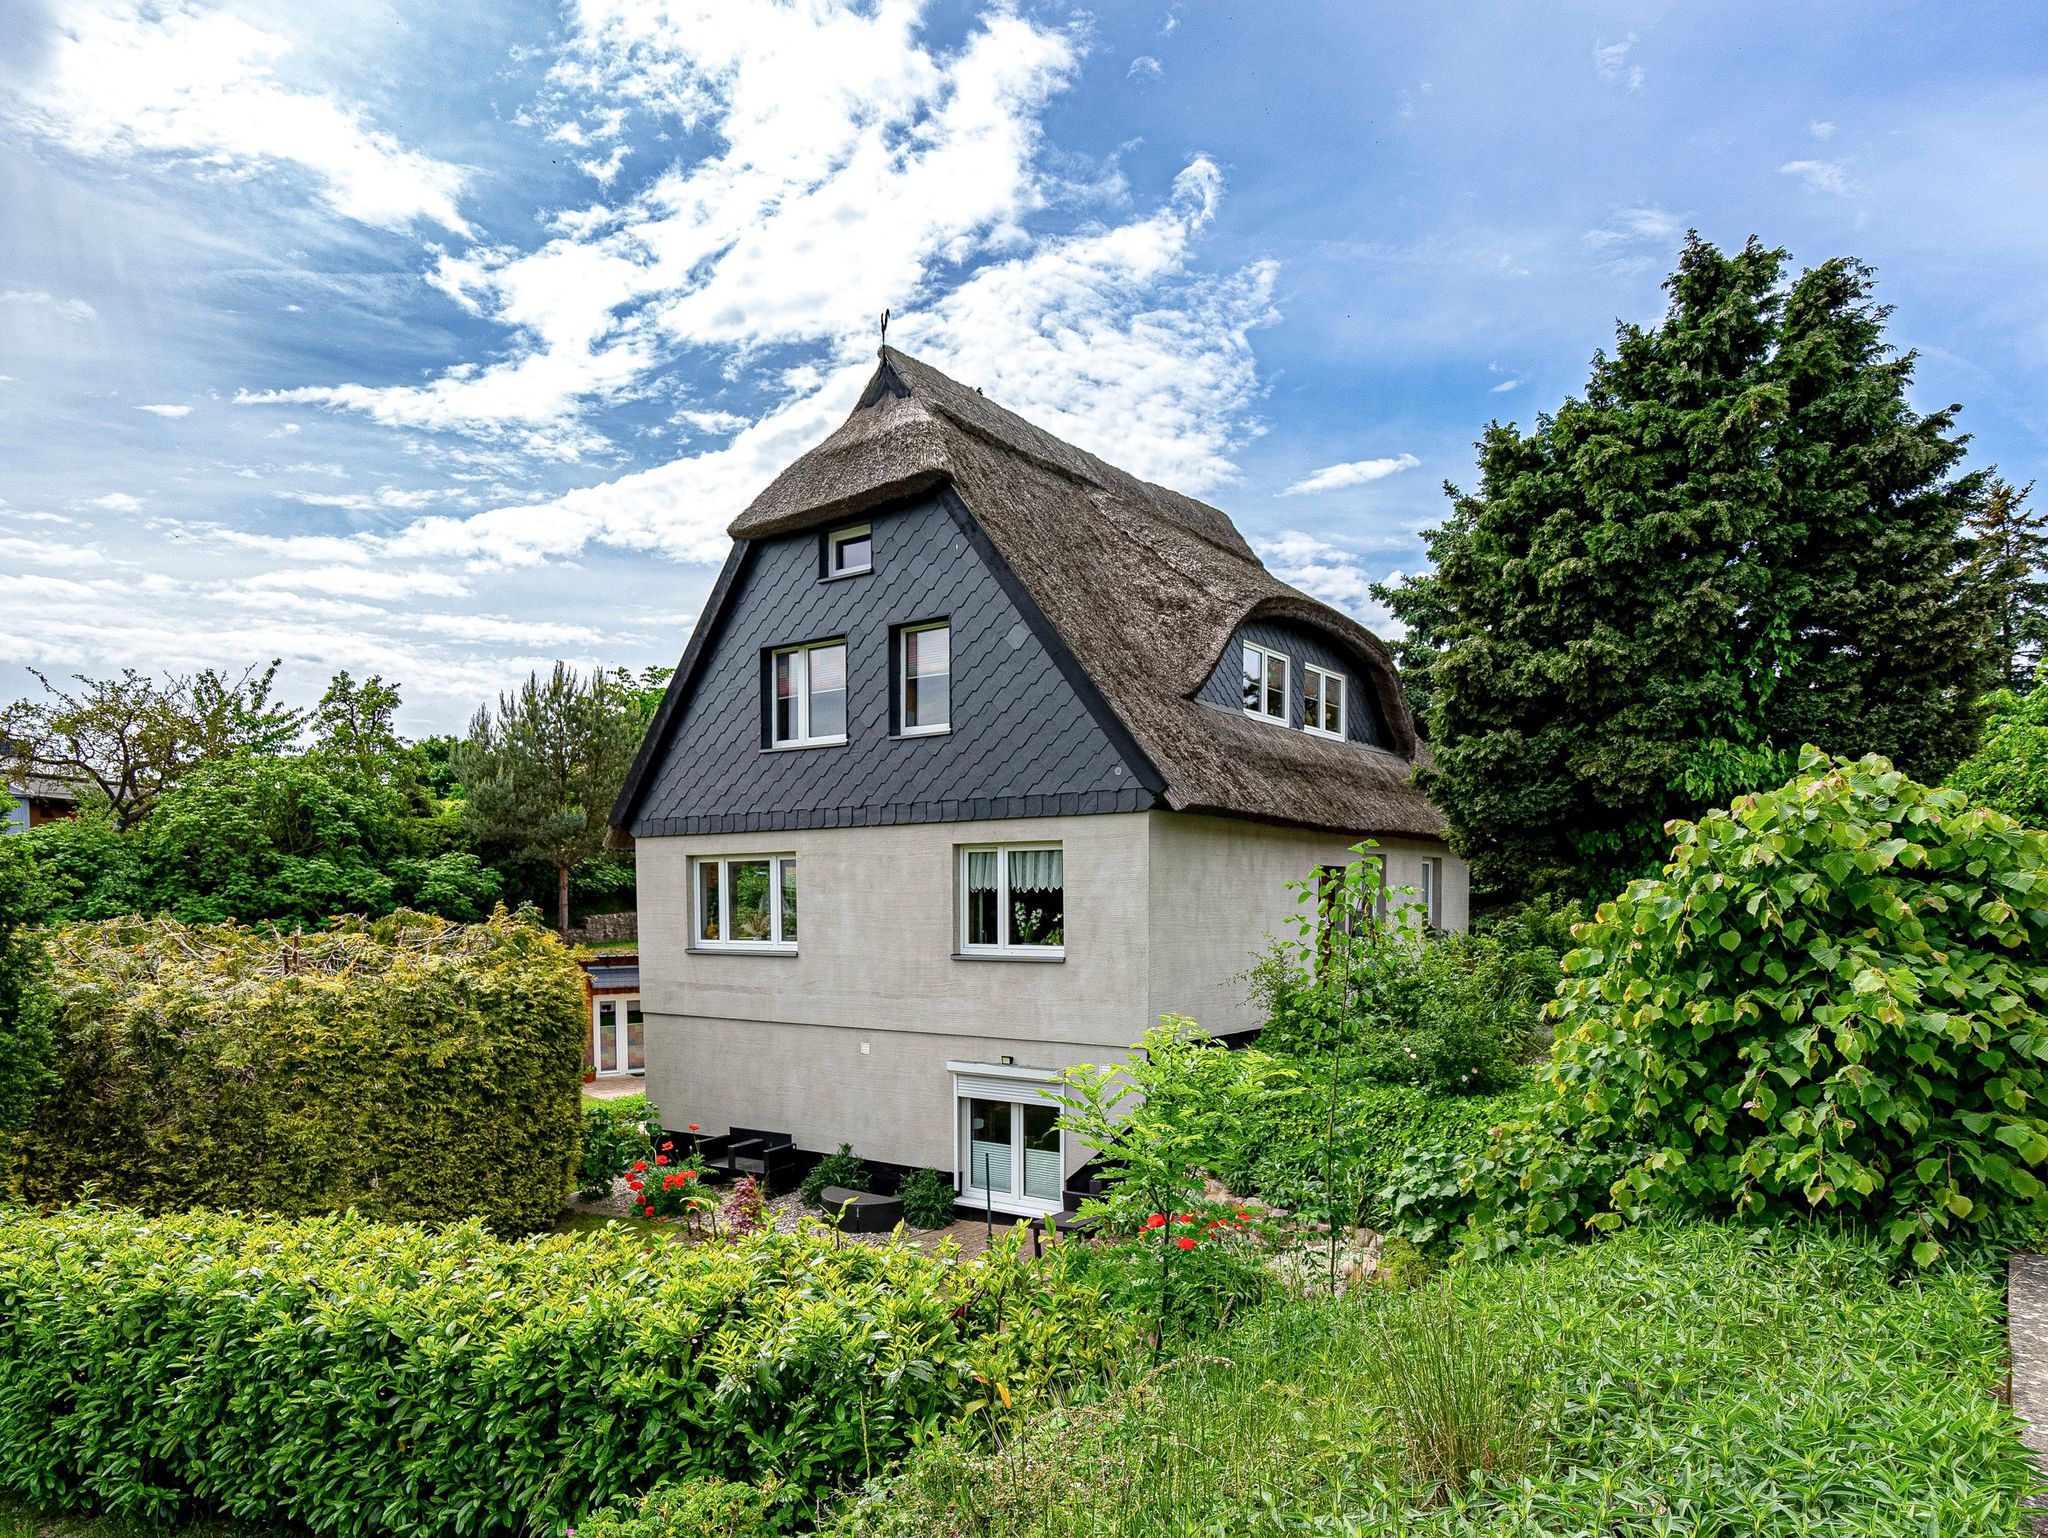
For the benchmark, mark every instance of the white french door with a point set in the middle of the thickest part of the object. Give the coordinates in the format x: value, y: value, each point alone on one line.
x: 1010, y: 1153
x: 617, y: 1035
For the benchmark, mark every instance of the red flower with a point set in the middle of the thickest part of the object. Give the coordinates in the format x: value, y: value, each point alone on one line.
x: 1183, y: 1217
x: 1185, y: 1242
x: 1157, y: 1220
x: 689, y: 1174
x: 632, y: 1185
x: 661, y: 1158
x: 693, y: 1126
x: 1244, y: 1217
x: 649, y: 1211
x: 639, y: 1164
x: 667, y: 1146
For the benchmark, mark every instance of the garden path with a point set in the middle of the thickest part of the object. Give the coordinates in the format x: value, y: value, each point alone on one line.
x: 2026, y: 1309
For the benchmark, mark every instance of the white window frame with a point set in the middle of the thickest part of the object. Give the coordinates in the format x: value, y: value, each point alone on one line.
x: 621, y: 1027
x: 1007, y: 947
x: 778, y: 864
x: 1324, y: 677
x: 1266, y: 655
x: 841, y: 537
x: 903, y: 635
x: 1432, y: 891
x: 802, y: 652
x: 1020, y: 1087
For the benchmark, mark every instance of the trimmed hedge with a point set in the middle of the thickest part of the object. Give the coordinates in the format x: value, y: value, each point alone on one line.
x: 362, y: 1379
x: 406, y: 1067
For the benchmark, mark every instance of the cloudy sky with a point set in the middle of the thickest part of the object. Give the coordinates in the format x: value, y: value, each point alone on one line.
x: 440, y: 340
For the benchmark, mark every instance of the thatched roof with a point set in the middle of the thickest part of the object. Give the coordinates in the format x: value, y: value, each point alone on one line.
x: 1145, y: 586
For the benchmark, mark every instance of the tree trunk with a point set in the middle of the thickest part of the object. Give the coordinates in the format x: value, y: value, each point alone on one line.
x: 562, y: 900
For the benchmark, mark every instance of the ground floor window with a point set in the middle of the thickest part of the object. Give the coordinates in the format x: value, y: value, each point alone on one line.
x: 618, y: 1041
x: 1011, y: 1155
x: 1013, y: 899
x: 747, y: 902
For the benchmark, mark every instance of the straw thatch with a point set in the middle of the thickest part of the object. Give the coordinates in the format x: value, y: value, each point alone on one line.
x: 1146, y: 587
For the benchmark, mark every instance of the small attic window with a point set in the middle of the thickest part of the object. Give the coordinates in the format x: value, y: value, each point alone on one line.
x: 850, y: 551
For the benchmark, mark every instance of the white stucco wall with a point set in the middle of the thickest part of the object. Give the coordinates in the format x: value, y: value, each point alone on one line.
x: 848, y: 1039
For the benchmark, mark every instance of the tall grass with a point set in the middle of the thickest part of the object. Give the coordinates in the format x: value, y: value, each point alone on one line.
x: 1453, y: 1393
x: 1691, y: 1381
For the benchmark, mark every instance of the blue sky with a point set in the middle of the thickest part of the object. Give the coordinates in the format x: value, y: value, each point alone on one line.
x: 443, y: 340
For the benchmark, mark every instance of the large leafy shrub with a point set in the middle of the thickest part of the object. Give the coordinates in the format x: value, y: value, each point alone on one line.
x: 377, y: 1065
x: 1831, y: 1000
x: 927, y: 1199
x: 356, y: 1379
x: 843, y: 1169
x: 2009, y: 770
x: 1365, y: 982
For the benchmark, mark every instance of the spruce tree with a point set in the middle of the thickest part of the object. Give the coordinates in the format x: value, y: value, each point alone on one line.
x: 2012, y: 553
x: 1742, y: 538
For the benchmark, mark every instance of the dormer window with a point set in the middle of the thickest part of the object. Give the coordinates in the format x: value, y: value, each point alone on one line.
x: 1265, y: 683
x: 1322, y: 701
x: 850, y: 551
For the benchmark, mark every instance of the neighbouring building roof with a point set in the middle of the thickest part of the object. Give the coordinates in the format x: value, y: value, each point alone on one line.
x: 1145, y: 587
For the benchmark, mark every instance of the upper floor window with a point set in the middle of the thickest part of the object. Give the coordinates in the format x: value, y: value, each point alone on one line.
x: 924, y: 671
x: 747, y: 902
x: 1013, y: 899
x: 850, y: 551
x: 1265, y: 683
x: 808, y: 703
x: 1322, y: 701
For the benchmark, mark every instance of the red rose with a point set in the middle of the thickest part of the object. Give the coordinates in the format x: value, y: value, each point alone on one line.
x: 661, y: 1158
x: 639, y: 1164
x: 649, y: 1211
x: 1185, y: 1242
x: 1157, y: 1220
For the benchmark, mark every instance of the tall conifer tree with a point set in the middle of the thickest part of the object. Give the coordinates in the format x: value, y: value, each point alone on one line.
x: 1742, y: 538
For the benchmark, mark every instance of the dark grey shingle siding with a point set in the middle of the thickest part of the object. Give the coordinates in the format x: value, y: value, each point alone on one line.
x: 1299, y: 644
x: 1023, y: 743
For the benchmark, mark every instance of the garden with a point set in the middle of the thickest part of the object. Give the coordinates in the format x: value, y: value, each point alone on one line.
x: 1672, y: 1200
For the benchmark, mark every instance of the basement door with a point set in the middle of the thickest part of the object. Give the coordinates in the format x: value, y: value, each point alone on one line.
x: 1010, y: 1155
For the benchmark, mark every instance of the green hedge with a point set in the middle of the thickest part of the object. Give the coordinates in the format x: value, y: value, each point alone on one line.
x: 406, y: 1067
x: 360, y: 1379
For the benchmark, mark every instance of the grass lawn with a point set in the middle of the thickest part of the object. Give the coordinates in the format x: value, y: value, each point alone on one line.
x: 22, y: 1521
x: 1695, y: 1381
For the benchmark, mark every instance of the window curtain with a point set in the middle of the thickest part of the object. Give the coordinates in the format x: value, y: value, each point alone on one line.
x: 1031, y: 870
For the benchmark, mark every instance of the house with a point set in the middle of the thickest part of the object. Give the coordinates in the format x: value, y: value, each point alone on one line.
x: 611, y: 998
x: 983, y: 756
x: 36, y: 800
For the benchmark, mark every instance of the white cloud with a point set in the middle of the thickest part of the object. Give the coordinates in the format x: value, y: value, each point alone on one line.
x: 1819, y: 175
x: 386, y: 584
x: 903, y: 163
x: 42, y: 552
x: 1611, y: 60
x: 1147, y: 66
x: 1504, y: 386
x: 1331, y: 573
x: 1356, y: 473
x: 68, y: 309
x: 170, y: 81
x: 167, y: 411
x: 1648, y: 223
x: 1820, y: 129
x: 118, y: 502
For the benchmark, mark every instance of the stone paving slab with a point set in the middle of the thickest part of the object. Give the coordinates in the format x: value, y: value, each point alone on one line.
x: 2026, y: 1310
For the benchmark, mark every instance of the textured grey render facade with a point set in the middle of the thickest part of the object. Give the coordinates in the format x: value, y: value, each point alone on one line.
x: 849, y: 1039
x: 1096, y: 626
